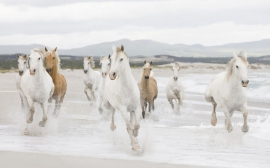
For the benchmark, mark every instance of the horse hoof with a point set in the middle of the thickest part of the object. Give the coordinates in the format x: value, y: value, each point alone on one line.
x: 29, y: 121
x: 143, y: 114
x: 41, y: 124
x: 229, y: 128
x: 113, y: 127
x: 245, y: 128
x: 26, y: 132
x: 214, y: 121
x: 135, y: 147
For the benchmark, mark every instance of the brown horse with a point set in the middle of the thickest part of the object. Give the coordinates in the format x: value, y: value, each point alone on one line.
x: 60, y: 84
x: 148, y: 88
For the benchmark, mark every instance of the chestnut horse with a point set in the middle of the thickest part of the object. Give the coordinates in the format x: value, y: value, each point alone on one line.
x: 148, y: 88
x: 60, y: 84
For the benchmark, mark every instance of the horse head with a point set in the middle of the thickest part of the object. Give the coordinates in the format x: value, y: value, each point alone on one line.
x: 147, y: 69
x: 239, y: 66
x: 175, y: 69
x: 22, y: 63
x: 36, y: 60
x: 52, y: 59
x: 88, y: 62
x: 119, y: 60
x: 105, y: 63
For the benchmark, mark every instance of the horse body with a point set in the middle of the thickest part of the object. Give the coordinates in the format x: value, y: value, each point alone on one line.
x: 148, y: 89
x: 60, y: 84
x: 226, y: 90
x: 174, y: 88
x: 122, y: 93
x: 92, y: 78
x: 105, y: 63
x: 22, y: 66
x: 37, y: 86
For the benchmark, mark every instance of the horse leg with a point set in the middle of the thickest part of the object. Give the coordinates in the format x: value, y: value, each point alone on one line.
x: 153, y: 106
x: 32, y: 110
x: 92, y: 91
x: 123, y: 111
x: 22, y: 104
x: 108, y: 106
x: 227, y: 119
x: 143, y: 108
x: 85, y: 91
x: 244, y: 110
x: 136, y: 116
x: 150, y: 105
x: 44, y: 107
x: 57, y: 106
x: 214, y: 117
x: 100, y: 105
x: 171, y: 102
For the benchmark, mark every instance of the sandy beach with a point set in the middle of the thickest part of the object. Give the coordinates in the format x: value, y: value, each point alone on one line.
x: 81, y: 137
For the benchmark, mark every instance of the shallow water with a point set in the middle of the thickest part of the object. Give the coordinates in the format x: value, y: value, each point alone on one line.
x: 164, y: 136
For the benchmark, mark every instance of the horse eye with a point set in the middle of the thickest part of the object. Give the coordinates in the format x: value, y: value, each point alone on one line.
x: 121, y: 59
x: 38, y: 58
x: 109, y: 63
x: 53, y: 57
x: 236, y: 66
x: 150, y: 69
x: 24, y: 62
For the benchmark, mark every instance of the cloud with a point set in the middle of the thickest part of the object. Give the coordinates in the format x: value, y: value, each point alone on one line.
x: 165, y: 21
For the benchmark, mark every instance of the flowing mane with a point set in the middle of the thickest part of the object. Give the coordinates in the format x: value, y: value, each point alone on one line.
x: 58, y: 61
x: 38, y: 50
x: 119, y: 50
x: 231, y: 63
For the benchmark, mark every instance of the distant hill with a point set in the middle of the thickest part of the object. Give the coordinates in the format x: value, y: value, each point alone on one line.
x: 151, y: 48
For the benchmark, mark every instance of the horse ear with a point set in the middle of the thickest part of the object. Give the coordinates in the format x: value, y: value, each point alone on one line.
x: 89, y: 57
x: 18, y: 56
x: 46, y: 49
x: 109, y: 57
x: 55, y: 49
x: 151, y: 63
x: 245, y: 54
x: 144, y: 62
x: 24, y: 56
x: 122, y: 47
x: 113, y: 48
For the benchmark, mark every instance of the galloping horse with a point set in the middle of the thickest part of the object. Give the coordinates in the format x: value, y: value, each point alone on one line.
x: 105, y: 63
x: 227, y: 91
x: 37, y: 86
x: 122, y: 93
x: 92, y: 77
x: 60, y: 84
x: 148, y: 88
x: 22, y: 66
x: 174, y: 89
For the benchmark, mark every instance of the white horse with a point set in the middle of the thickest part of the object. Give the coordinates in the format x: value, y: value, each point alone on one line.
x: 92, y: 78
x: 174, y: 88
x: 226, y: 90
x: 122, y: 93
x: 105, y: 63
x: 37, y: 86
x: 22, y: 67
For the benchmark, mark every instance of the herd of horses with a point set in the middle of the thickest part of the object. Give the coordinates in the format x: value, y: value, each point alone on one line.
x: 118, y: 90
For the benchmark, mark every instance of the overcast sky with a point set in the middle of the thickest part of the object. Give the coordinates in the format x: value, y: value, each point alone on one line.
x: 77, y: 23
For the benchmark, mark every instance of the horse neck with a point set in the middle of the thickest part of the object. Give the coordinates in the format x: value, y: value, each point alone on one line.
x: 125, y: 75
x: 39, y: 75
x: 54, y: 73
x: 234, y: 82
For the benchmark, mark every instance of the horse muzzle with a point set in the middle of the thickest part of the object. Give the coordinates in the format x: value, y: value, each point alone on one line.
x: 49, y: 70
x: 85, y: 71
x: 175, y: 78
x: 113, y: 75
x: 20, y: 73
x: 104, y: 74
x: 32, y: 71
x: 146, y: 77
x: 245, y: 83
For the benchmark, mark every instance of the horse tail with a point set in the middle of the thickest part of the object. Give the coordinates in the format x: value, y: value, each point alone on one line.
x: 152, y: 74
